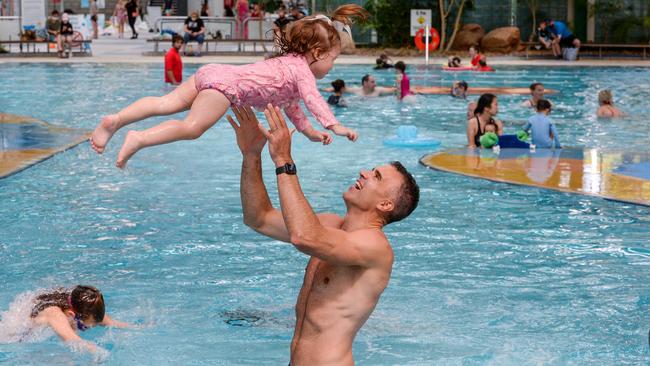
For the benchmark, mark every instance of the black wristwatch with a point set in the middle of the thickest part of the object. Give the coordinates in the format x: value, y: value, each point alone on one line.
x: 286, y: 168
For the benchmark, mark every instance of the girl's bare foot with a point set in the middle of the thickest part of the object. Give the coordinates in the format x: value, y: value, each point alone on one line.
x: 103, y: 132
x: 132, y: 144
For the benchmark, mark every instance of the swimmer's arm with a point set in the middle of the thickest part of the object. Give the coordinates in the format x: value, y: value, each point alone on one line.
x: 58, y: 321
x: 110, y: 322
x: 526, y: 127
x: 385, y: 90
x: 471, y: 132
x: 500, y: 125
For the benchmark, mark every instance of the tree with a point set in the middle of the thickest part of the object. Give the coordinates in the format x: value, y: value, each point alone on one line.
x: 446, y: 8
x: 533, y: 6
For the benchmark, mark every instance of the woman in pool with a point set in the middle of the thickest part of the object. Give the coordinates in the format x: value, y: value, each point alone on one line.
x: 536, y: 94
x: 308, y: 49
x: 402, y: 82
x: 606, y: 107
x: 486, y: 108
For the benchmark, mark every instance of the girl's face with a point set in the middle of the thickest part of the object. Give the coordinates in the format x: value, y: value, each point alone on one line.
x: 320, y: 63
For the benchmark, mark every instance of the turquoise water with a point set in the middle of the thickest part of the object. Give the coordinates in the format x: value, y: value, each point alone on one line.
x: 484, y: 274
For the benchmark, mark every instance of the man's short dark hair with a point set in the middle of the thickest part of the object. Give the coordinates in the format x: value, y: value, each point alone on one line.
x: 338, y: 84
x: 55, y: 12
x: 535, y: 85
x: 177, y: 37
x: 365, y: 78
x: 407, y: 195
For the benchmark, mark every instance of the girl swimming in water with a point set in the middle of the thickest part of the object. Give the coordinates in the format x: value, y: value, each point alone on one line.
x: 308, y: 49
x: 65, y: 311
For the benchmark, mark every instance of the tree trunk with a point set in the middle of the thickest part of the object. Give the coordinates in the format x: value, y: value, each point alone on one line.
x: 456, y: 25
x: 532, y: 5
x: 443, y: 24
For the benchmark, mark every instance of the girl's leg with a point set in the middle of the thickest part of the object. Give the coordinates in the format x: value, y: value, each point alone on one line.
x: 180, y: 99
x: 208, y: 107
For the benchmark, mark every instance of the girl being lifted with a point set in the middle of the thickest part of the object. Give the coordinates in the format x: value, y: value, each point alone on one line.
x: 308, y: 49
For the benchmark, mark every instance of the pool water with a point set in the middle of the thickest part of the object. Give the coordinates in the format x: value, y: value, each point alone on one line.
x: 484, y: 274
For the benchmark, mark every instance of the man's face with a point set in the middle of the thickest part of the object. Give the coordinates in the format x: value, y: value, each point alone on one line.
x: 178, y: 44
x: 370, y: 84
x: 542, y: 25
x: 373, y: 187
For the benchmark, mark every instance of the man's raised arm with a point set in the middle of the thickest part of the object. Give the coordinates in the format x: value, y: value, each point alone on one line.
x: 259, y: 213
x: 305, y: 229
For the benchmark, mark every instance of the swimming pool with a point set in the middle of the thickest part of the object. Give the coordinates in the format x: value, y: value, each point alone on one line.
x: 484, y: 274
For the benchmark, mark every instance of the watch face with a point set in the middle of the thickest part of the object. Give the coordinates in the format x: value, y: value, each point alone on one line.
x: 291, y: 168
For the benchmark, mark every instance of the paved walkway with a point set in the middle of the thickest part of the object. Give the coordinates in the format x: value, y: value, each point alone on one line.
x: 110, y: 49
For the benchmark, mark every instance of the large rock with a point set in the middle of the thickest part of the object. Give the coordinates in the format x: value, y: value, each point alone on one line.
x: 502, y: 40
x: 468, y: 35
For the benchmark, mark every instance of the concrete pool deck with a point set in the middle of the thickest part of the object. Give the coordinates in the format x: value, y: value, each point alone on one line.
x: 109, y: 49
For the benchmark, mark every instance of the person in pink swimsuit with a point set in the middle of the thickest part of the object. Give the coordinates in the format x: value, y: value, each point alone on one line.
x: 242, y: 13
x: 402, y: 82
x: 283, y: 81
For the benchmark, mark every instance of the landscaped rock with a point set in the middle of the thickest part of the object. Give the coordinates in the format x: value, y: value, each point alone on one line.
x: 502, y: 40
x: 468, y: 35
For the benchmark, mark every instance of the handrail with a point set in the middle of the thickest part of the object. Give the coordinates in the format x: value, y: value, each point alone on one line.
x: 180, y: 21
x: 265, y: 26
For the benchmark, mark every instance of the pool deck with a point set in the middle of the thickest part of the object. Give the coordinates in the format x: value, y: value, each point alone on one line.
x: 109, y: 49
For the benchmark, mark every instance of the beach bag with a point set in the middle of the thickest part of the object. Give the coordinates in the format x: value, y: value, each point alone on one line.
x: 569, y: 53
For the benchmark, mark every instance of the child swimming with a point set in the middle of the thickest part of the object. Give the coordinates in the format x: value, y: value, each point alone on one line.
x: 65, y: 311
x: 308, y: 49
x: 544, y: 134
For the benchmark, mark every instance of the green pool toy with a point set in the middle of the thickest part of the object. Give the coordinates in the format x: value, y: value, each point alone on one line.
x: 522, y: 135
x: 489, y: 139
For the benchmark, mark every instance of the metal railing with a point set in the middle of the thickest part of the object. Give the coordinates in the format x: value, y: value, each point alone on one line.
x: 225, y: 25
x: 258, y: 28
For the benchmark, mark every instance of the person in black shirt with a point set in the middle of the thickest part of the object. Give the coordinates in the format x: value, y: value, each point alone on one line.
x: 132, y: 13
x: 194, y: 31
x: 65, y: 35
x: 336, y: 99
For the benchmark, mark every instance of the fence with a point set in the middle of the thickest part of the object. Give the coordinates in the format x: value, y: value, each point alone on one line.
x: 225, y: 25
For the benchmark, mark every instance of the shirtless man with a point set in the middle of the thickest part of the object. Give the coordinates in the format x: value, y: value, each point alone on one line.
x: 368, y: 88
x: 350, y: 257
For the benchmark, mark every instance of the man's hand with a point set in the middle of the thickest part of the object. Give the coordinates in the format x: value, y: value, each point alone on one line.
x: 249, y: 138
x: 278, y: 135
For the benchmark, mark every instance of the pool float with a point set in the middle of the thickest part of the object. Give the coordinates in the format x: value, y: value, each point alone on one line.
x: 407, y: 136
x: 460, y: 68
x: 476, y: 90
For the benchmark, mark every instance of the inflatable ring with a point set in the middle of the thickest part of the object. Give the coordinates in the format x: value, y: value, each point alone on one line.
x: 434, y: 41
x: 407, y: 136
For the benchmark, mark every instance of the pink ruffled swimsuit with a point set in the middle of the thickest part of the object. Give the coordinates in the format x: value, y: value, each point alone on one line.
x: 281, y: 81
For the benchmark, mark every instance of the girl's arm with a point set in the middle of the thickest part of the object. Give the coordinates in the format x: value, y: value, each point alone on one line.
x: 315, y: 102
x: 110, y: 322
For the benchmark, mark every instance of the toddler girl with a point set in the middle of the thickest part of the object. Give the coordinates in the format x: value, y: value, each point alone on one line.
x: 308, y: 49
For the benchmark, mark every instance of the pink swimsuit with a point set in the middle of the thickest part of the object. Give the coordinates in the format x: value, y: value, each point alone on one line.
x: 281, y: 81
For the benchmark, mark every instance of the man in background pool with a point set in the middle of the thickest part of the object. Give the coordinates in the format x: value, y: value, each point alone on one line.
x: 368, y: 88
x: 351, y: 258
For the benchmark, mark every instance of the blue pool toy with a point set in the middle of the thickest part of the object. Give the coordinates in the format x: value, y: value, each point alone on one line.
x: 407, y: 136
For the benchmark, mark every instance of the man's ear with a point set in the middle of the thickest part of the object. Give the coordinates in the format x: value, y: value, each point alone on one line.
x: 385, y: 205
x: 69, y: 312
